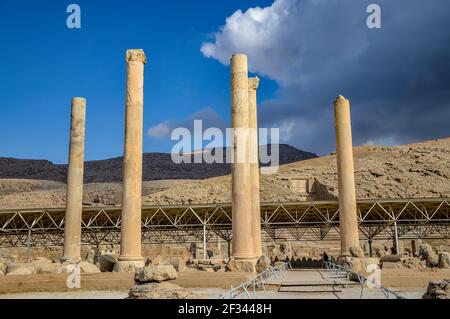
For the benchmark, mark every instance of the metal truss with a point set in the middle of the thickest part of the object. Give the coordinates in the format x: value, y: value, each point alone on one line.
x: 378, y: 218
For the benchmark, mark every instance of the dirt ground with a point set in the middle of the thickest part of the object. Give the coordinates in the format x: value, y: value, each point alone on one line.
x: 411, y: 278
x: 210, y: 285
x: 113, y: 281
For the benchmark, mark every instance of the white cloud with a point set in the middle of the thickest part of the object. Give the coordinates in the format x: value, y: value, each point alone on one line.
x: 279, y: 39
x: 160, y: 130
x: 208, y: 116
x: 317, y: 49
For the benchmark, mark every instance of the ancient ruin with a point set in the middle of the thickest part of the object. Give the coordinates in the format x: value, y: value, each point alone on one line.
x: 254, y: 232
x: 130, y: 244
x: 74, y: 202
x: 347, y: 194
x: 243, y: 240
x: 253, y: 84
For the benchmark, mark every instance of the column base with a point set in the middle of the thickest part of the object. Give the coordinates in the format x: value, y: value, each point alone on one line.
x: 128, y: 264
x: 244, y: 256
x: 360, y: 265
x: 354, y: 251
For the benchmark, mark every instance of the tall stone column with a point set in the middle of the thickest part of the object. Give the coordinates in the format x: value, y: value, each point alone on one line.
x: 346, y: 180
x: 253, y: 84
x: 74, y: 201
x: 130, y: 243
x: 242, y: 216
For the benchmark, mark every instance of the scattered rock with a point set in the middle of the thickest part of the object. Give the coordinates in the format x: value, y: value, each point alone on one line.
x: 438, y: 289
x: 157, y: 273
x: 106, y: 263
x: 128, y: 266
x: 62, y: 269
x: 92, y: 256
x: 160, y: 291
x: 217, y: 268
x: 204, y: 262
x: 209, y: 268
x: 178, y: 263
x: 217, y: 261
x: 356, y: 251
x: 87, y: 267
x: 380, y: 252
x: 262, y: 264
x: 444, y: 260
x: 20, y: 269
x: 413, y: 263
x: 359, y: 265
x: 159, y: 260
x: 240, y: 266
x: 427, y: 253
x: 45, y: 266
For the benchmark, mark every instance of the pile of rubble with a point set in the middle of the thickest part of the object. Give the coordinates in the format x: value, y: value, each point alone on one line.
x: 438, y: 289
x: 150, y: 282
x: 42, y: 265
x: 427, y: 258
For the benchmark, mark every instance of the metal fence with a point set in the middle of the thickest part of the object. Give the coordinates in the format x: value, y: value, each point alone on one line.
x: 345, y: 272
x: 248, y: 289
x: 294, y: 221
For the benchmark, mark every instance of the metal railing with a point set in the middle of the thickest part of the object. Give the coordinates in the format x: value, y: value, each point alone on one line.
x: 345, y: 272
x: 256, y: 282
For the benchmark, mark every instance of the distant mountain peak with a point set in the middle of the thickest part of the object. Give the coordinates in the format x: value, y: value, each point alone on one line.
x: 156, y: 166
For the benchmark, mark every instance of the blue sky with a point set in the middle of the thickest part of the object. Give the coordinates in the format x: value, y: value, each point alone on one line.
x: 43, y: 64
x: 306, y: 52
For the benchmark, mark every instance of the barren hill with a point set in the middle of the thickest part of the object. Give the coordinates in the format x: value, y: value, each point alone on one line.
x: 156, y: 166
x: 407, y: 171
x: 40, y: 183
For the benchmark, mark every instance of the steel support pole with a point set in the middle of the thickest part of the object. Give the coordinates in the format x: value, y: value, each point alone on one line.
x: 397, y: 247
x: 204, y: 241
x: 28, y: 245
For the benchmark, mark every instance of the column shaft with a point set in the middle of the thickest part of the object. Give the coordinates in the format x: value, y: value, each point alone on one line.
x: 74, y: 201
x: 254, y: 165
x: 242, y: 218
x: 130, y: 244
x: 346, y: 180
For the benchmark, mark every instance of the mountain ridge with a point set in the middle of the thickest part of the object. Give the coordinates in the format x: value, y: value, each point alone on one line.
x: 156, y: 166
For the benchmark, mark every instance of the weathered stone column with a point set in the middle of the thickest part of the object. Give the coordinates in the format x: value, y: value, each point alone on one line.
x: 242, y: 216
x: 130, y: 243
x: 346, y: 180
x: 74, y: 201
x: 253, y: 84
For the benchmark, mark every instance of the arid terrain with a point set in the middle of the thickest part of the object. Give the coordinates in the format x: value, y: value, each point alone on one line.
x: 409, y: 171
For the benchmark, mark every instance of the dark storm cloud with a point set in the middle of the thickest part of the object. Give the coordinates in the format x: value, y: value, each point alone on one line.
x: 397, y: 77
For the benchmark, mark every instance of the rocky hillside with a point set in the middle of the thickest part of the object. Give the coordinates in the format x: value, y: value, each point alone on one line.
x: 156, y: 166
x: 40, y: 183
x: 407, y: 171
